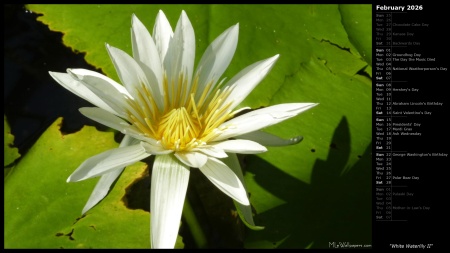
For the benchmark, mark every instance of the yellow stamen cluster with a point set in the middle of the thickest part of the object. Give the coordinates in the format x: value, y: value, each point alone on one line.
x: 186, y: 121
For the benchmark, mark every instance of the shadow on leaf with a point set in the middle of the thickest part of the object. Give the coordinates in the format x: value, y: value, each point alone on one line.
x: 334, y: 207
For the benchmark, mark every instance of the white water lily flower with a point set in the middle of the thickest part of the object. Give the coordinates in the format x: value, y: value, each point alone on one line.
x: 185, y: 118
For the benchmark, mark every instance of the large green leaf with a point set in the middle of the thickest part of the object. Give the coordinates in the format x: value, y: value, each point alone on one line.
x: 356, y: 18
x: 43, y: 211
x: 318, y: 63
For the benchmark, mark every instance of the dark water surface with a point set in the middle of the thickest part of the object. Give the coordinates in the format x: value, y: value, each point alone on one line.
x: 32, y: 99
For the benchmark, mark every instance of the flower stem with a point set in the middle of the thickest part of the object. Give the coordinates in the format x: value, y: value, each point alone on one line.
x: 194, y: 225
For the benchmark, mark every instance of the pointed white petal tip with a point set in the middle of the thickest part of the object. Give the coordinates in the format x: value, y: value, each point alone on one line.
x: 296, y: 139
x: 73, y: 74
x: 244, y: 201
x: 311, y: 105
x: 56, y: 75
x: 70, y: 179
x: 161, y: 16
x: 235, y: 28
x: 134, y: 19
x: 184, y: 19
x: 271, y: 61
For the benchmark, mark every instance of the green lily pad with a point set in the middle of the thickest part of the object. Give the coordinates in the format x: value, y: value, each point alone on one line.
x: 11, y: 152
x: 43, y: 211
x: 356, y: 18
x: 323, y: 58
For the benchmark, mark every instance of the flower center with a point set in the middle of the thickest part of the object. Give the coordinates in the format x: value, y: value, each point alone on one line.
x: 184, y: 122
x: 178, y: 130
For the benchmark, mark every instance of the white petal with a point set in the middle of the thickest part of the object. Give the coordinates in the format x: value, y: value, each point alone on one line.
x: 144, y: 48
x: 168, y: 190
x: 244, y: 211
x: 146, y: 54
x: 216, y: 58
x: 225, y: 179
x: 78, y: 88
x: 102, y: 188
x: 107, y: 161
x: 137, y: 134
x: 112, y: 93
x: 261, y: 118
x: 267, y: 139
x: 128, y: 70
x: 211, y: 151
x: 192, y: 159
x: 155, y: 149
x: 240, y: 146
x: 247, y: 79
x: 90, y: 76
x: 104, y: 117
x: 162, y: 34
x: 181, y: 54
x: 106, y: 180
